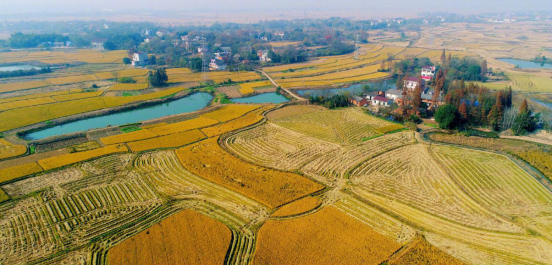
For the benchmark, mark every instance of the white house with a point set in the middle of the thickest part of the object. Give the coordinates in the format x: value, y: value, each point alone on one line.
x: 263, y: 56
x: 140, y: 59
x: 393, y: 94
x: 217, y: 65
x: 428, y: 71
x: 98, y: 44
x: 411, y: 83
x: 381, y: 101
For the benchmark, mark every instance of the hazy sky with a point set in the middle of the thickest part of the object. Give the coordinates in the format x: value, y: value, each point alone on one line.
x: 402, y: 6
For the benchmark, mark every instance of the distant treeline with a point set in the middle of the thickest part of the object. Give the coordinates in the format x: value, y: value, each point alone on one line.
x: 330, y: 102
x: 21, y: 73
x: 19, y: 40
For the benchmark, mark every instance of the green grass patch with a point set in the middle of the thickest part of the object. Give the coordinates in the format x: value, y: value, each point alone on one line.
x: 32, y: 149
x: 167, y: 96
x: 129, y: 129
x: 3, y: 196
x: 431, y: 125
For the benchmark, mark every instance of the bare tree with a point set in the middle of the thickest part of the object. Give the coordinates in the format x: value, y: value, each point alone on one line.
x: 508, y: 118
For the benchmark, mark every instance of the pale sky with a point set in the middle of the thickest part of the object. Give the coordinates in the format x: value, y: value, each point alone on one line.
x: 402, y: 6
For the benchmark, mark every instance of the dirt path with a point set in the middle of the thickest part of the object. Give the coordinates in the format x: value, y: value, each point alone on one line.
x: 276, y: 85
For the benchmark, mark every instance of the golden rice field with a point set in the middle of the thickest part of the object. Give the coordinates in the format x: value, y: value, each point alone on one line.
x: 122, y: 73
x: 67, y: 159
x: 76, y: 96
x: 184, y: 238
x: 420, y: 252
x: 7, y: 149
x: 270, y: 187
x: 167, y: 129
x: 71, y: 79
x: 325, y: 237
x: 168, y: 141
x: 248, y: 119
x: 217, y: 77
x: 7, y: 87
x: 14, y: 172
x: 129, y: 86
x: 63, y: 57
x: 246, y: 88
x: 33, y: 96
x: 298, y: 207
x: 172, y: 71
x: 128, y: 137
x: 229, y: 112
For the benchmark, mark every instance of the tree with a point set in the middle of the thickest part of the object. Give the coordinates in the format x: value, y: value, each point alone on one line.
x: 126, y: 61
x: 499, y: 105
x: 463, y: 111
x: 153, y: 60
x: 110, y: 46
x: 449, y: 60
x: 524, y: 122
x: 444, y: 57
x: 417, y: 98
x: 158, y: 78
x: 484, y: 68
x: 509, y: 97
x: 493, y: 118
x: 446, y: 116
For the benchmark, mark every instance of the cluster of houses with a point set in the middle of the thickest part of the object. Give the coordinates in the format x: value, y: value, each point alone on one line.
x: 386, y: 98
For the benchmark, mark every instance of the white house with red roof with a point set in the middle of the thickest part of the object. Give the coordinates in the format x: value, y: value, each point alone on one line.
x: 428, y: 72
x: 411, y: 83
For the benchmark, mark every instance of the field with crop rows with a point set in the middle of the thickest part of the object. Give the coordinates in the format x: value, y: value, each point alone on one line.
x: 241, y: 122
x: 184, y: 238
x: 194, y: 123
x: 14, y: 172
x: 168, y: 141
x: 7, y: 87
x: 208, y: 160
x: 128, y: 137
x: 420, y: 252
x: 325, y: 237
x: 62, y: 57
x: 278, y: 147
x: 230, y: 112
x: 343, y: 126
x: 122, y: 73
x: 250, y: 87
x: 67, y: 159
x: 217, y: 77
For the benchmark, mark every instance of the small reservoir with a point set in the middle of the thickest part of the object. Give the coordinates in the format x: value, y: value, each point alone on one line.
x: 269, y: 97
x: 525, y: 64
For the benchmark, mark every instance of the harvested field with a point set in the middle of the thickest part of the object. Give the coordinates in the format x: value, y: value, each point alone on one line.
x: 64, y: 57
x: 343, y: 126
x: 56, y: 145
x: 122, y: 74
x: 85, y: 146
x: 14, y: 172
x: 33, y: 158
x: 333, y: 165
x: 420, y: 252
x: 293, y: 110
x: 229, y: 112
x: 168, y: 141
x: 278, y: 147
x: 244, y: 121
x: 183, y: 126
x: 217, y: 77
x: 298, y: 207
x: 67, y: 159
x: 129, y: 86
x: 8, y: 150
x: 325, y: 237
x: 184, y: 238
x: 270, y: 187
x: 231, y: 91
x: 128, y: 137
x: 410, y: 175
x: 43, y: 181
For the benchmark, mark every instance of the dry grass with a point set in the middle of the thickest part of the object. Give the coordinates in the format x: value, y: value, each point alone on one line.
x: 298, y: 207
x: 326, y: 237
x: 67, y: 159
x: 11, y: 173
x: 168, y: 141
x: 186, y: 238
x: 128, y: 137
x: 129, y: 86
x: 8, y: 150
x: 270, y: 187
x: 230, y: 112
x: 195, y: 123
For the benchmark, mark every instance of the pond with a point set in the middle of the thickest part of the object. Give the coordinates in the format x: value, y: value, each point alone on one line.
x: 269, y: 97
x: 18, y: 67
x: 355, y: 88
x: 526, y: 63
x: 187, y: 104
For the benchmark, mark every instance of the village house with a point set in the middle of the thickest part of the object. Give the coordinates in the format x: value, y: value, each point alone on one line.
x: 428, y: 72
x: 263, y: 56
x: 394, y: 94
x: 98, y: 44
x: 161, y: 33
x: 411, y: 83
x: 226, y: 50
x: 381, y: 101
x: 140, y: 59
x: 358, y: 101
x: 217, y: 65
